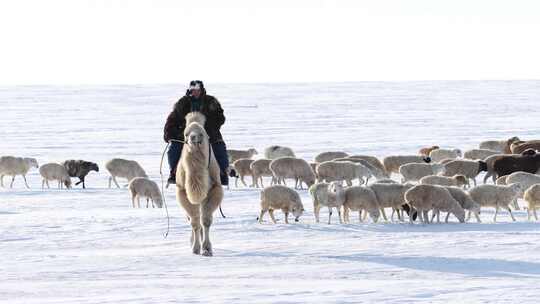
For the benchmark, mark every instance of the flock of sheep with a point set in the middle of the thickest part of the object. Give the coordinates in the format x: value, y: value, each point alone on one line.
x: 139, y: 183
x: 435, y: 180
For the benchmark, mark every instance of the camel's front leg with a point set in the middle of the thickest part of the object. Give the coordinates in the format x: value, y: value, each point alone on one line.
x: 194, y: 219
x: 215, y: 196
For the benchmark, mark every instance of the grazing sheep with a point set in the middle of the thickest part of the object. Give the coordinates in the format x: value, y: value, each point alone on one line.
x: 142, y: 186
x: 376, y: 171
x: 415, y: 171
x: 440, y: 154
x: 479, y: 154
x: 290, y: 167
x: 532, y: 197
x: 502, y: 146
x: 496, y: 196
x: 80, y: 169
x: 13, y: 166
x: 465, y: 201
x: 128, y: 169
x: 393, y: 162
x: 342, y: 171
x: 456, y: 180
x: 328, y: 156
x: 391, y: 196
x: 235, y: 155
x: 359, y: 198
x: 432, y: 197
x: 54, y: 171
x: 518, y: 148
x: 330, y: 195
x: 280, y: 197
x: 274, y: 152
x: 468, y: 168
x: 509, y: 164
x: 524, y: 179
x: 426, y: 150
x: 242, y: 167
x: 259, y: 169
x: 374, y: 161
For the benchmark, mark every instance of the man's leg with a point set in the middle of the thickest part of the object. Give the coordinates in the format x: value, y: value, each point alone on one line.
x: 173, y: 156
x: 220, y: 152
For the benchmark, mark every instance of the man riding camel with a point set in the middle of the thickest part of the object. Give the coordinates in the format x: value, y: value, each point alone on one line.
x: 196, y: 100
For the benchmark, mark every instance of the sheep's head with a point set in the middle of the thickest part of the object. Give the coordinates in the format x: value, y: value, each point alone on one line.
x: 297, y: 211
x: 438, y: 169
x: 458, y: 152
x: 67, y: 183
x: 32, y: 162
x: 252, y: 152
x: 336, y: 187
x: 513, y: 140
x: 374, y: 214
x: 517, y: 188
x: 461, y: 180
x: 459, y: 213
x: 92, y: 166
x: 158, y: 201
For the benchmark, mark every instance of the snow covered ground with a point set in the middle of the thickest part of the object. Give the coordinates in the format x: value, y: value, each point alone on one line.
x: 91, y: 247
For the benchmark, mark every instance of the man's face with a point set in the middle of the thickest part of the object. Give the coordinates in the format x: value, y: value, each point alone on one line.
x: 196, y: 93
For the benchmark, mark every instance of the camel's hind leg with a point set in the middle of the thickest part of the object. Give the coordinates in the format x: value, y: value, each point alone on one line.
x: 215, y: 196
x: 194, y: 218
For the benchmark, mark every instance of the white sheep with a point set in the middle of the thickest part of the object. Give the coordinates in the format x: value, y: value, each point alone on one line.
x: 128, y: 169
x: 415, y: 171
x: 342, y: 171
x: 374, y: 161
x: 391, y: 195
x: 524, y: 179
x: 360, y: 198
x: 497, y: 196
x: 424, y: 198
x: 465, y: 201
x: 502, y: 146
x: 468, y: 168
x: 331, y: 195
x: 259, y: 169
x: 144, y: 187
x: 235, y: 155
x: 440, y: 154
x: 330, y: 155
x: 532, y: 197
x: 274, y: 152
x: 242, y: 167
x: 479, y: 154
x: 280, y: 197
x: 13, y: 166
x: 393, y: 162
x: 375, y: 171
x: 54, y: 171
x: 456, y: 180
x: 290, y: 167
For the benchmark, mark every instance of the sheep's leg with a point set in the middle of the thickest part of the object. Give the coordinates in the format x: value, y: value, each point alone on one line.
x: 361, y: 181
x: 349, y: 183
x: 426, y: 216
x: 474, y: 181
x: 242, y: 180
x: 110, y: 181
x: 433, y: 214
x: 43, y: 184
x: 364, y: 215
x: 263, y: 211
x: 420, y: 217
x: 392, y: 215
x: 133, y: 200
x: 138, y: 201
x: 284, y: 183
x: 115, y: 182
x: 345, y: 214
x: 528, y: 214
x: 2, y: 180
x: 316, y: 210
x: 236, y: 181
x: 47, y: 182
x: 468, y: 216
x: 534, y: 212
x: 384, y: 215
x: 271, y: 213
x: 438, y: 216
x: 496, y: 211
x: 286, y: 217
x: 339, y: 215
x: 147, y: 202
x: 515, y: 203
x: 329, y: 215
x: 12, y: 180
x: 60, y: 184
x: 360, y: 215
x: 25, y: 182
x: 511, y: 215
x: 477, y: 217
x: 262, y: 185
x: 83, y: 185
x: 447, y: 216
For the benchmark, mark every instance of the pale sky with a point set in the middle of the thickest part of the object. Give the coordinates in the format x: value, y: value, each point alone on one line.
x: 164, y: 41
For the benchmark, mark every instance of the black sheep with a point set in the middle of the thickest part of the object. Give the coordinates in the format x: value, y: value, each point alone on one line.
x: 80, y: 168
x: 513, y: 163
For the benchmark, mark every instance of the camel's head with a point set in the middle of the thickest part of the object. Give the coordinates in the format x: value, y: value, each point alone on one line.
x: 194, y: 134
